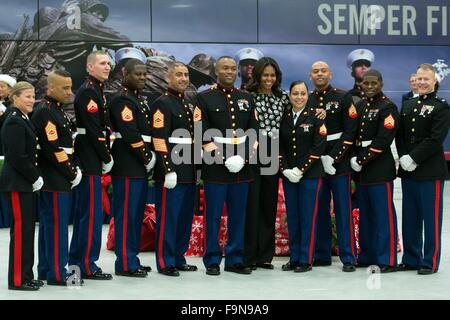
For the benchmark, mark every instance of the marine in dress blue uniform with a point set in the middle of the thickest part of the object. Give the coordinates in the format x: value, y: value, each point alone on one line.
x: 375, y: 165
x: 130, y: 119
x: 302, y: 142
x: 423, y: 126
x: 92, y: 152
x: 173, y: 117
x: 60, y: 175
x: 225, y: 170
x: 19, y: 179
x: 341, y: 123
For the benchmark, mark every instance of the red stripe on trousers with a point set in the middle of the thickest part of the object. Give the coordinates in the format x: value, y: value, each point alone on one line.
x: 125, y: 226
x: 437, y: 201
x: 161, y: 229
x: 391, y: 226
x: 55, y: 236
x: 352, y: 231
x: 17, y: 215
x: 311, y: 243
x: 91, y: 224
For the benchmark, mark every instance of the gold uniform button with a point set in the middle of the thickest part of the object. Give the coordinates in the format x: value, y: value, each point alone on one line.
x: 217, y: 110
x: 295, y: 147
x: 309, y: 160
x: 293, y: 139
x: 412, y: 130
x: 293, y: 131
x: 418, y: 101
x: 231, y: 102
x: 228, y: 96
x: 413, y: 120
x: 415, y: 110
x: 321, y: 98
x: 232, y: 117
x: 295, y: 154
x: 232, y: 109
x: 168, y: 169
x: 321, y: 104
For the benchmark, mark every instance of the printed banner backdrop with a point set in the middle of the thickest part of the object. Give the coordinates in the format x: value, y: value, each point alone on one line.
x: 40, y: 35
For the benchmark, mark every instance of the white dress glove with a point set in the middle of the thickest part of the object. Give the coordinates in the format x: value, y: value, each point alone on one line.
x: 355, y: 166
x: 149, y: 166
x: 407, y: 163
x: 291, y: 175
x: 327, y: 163
x: 106, y: 167
x: 170, y: 180
x: 77, y: 179
x: 234, y: 164
x: 37, y: 185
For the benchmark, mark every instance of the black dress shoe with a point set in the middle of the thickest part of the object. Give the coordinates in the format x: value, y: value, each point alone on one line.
x: 290, y: 266
x: 98, y: 275
x: 145, y: 268
x: 348, y: 267
x: 238, y: 268
x: 64, y: 283
x: 265, y: 265
x: 186, y: 267
x: 28, y: 286
x: 321, y: 263
x: 213, y: 270
x: 426, y: 271
x: 170, y: 271
x: 38, y: 283
x: 303, y: 267
x: 387, y: 269
x: 138, y: 273
x: 406, y: 267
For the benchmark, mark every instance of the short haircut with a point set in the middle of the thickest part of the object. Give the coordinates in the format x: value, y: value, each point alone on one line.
x: 222, y: 58
x: 131, y: 64
x: 427, y: 66
x: 174, y: 65
x: 374, y: 73
x: 93, y: 55
x: 61, y: 73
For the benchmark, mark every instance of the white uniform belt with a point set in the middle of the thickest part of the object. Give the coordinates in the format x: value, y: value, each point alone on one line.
x: 145, y: 138
x: 180, y: 140
x: 83, y: 131
x: 334, y: 136
x: 237, y: 140
x: 366, y: 143
x: 68, y: 150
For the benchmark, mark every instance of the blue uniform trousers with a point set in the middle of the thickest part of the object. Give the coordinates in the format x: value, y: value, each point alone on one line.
x: 174, y: 214
x: 337, y: 188
x: 87, y: 227
x: 235, y: 196
x: 302, y: 201
x: 422, y: 205
x: 128, y: 206
x: 377, y: 224
x: 54, y: 212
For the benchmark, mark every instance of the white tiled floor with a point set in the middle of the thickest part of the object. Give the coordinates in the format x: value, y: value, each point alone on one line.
x: 321, y: 283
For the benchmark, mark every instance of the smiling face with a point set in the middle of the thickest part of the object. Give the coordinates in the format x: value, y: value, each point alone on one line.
x: 371, y: 86
x: 100, y: 67
x: 136, y: 78
x: 60, y: 88
x: 298, y: 96
x: 226, y: 71
x: 178, y: 78
x: 320, y: 75
x: 268, y: 79
x: 24, y: 101
x: 426, y: 81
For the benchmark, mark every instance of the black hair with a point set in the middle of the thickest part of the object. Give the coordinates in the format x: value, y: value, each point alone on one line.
x: 258, y: 71
x: 374, y: 73
x: 131, y: 64
x: 293, y: 84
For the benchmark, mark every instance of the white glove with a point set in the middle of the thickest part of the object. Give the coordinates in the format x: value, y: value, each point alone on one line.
x: 291, y: 175
x: 149, y: 166
x: 407, y: 163
x: 234, y: 164
x: 355, y: 166
x: 37, y: 185
x: 170, y: 180
x: 77, y: 179
x: 327, y: 163
x: 106, y: 167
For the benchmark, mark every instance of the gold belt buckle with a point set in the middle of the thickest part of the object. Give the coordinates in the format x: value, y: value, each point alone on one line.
x: 234, y: 140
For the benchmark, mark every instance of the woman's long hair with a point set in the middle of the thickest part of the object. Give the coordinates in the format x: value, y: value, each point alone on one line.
x: 258, y: 71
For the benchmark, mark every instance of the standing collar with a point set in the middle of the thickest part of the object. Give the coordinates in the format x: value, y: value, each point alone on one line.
x: 179, y: 95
